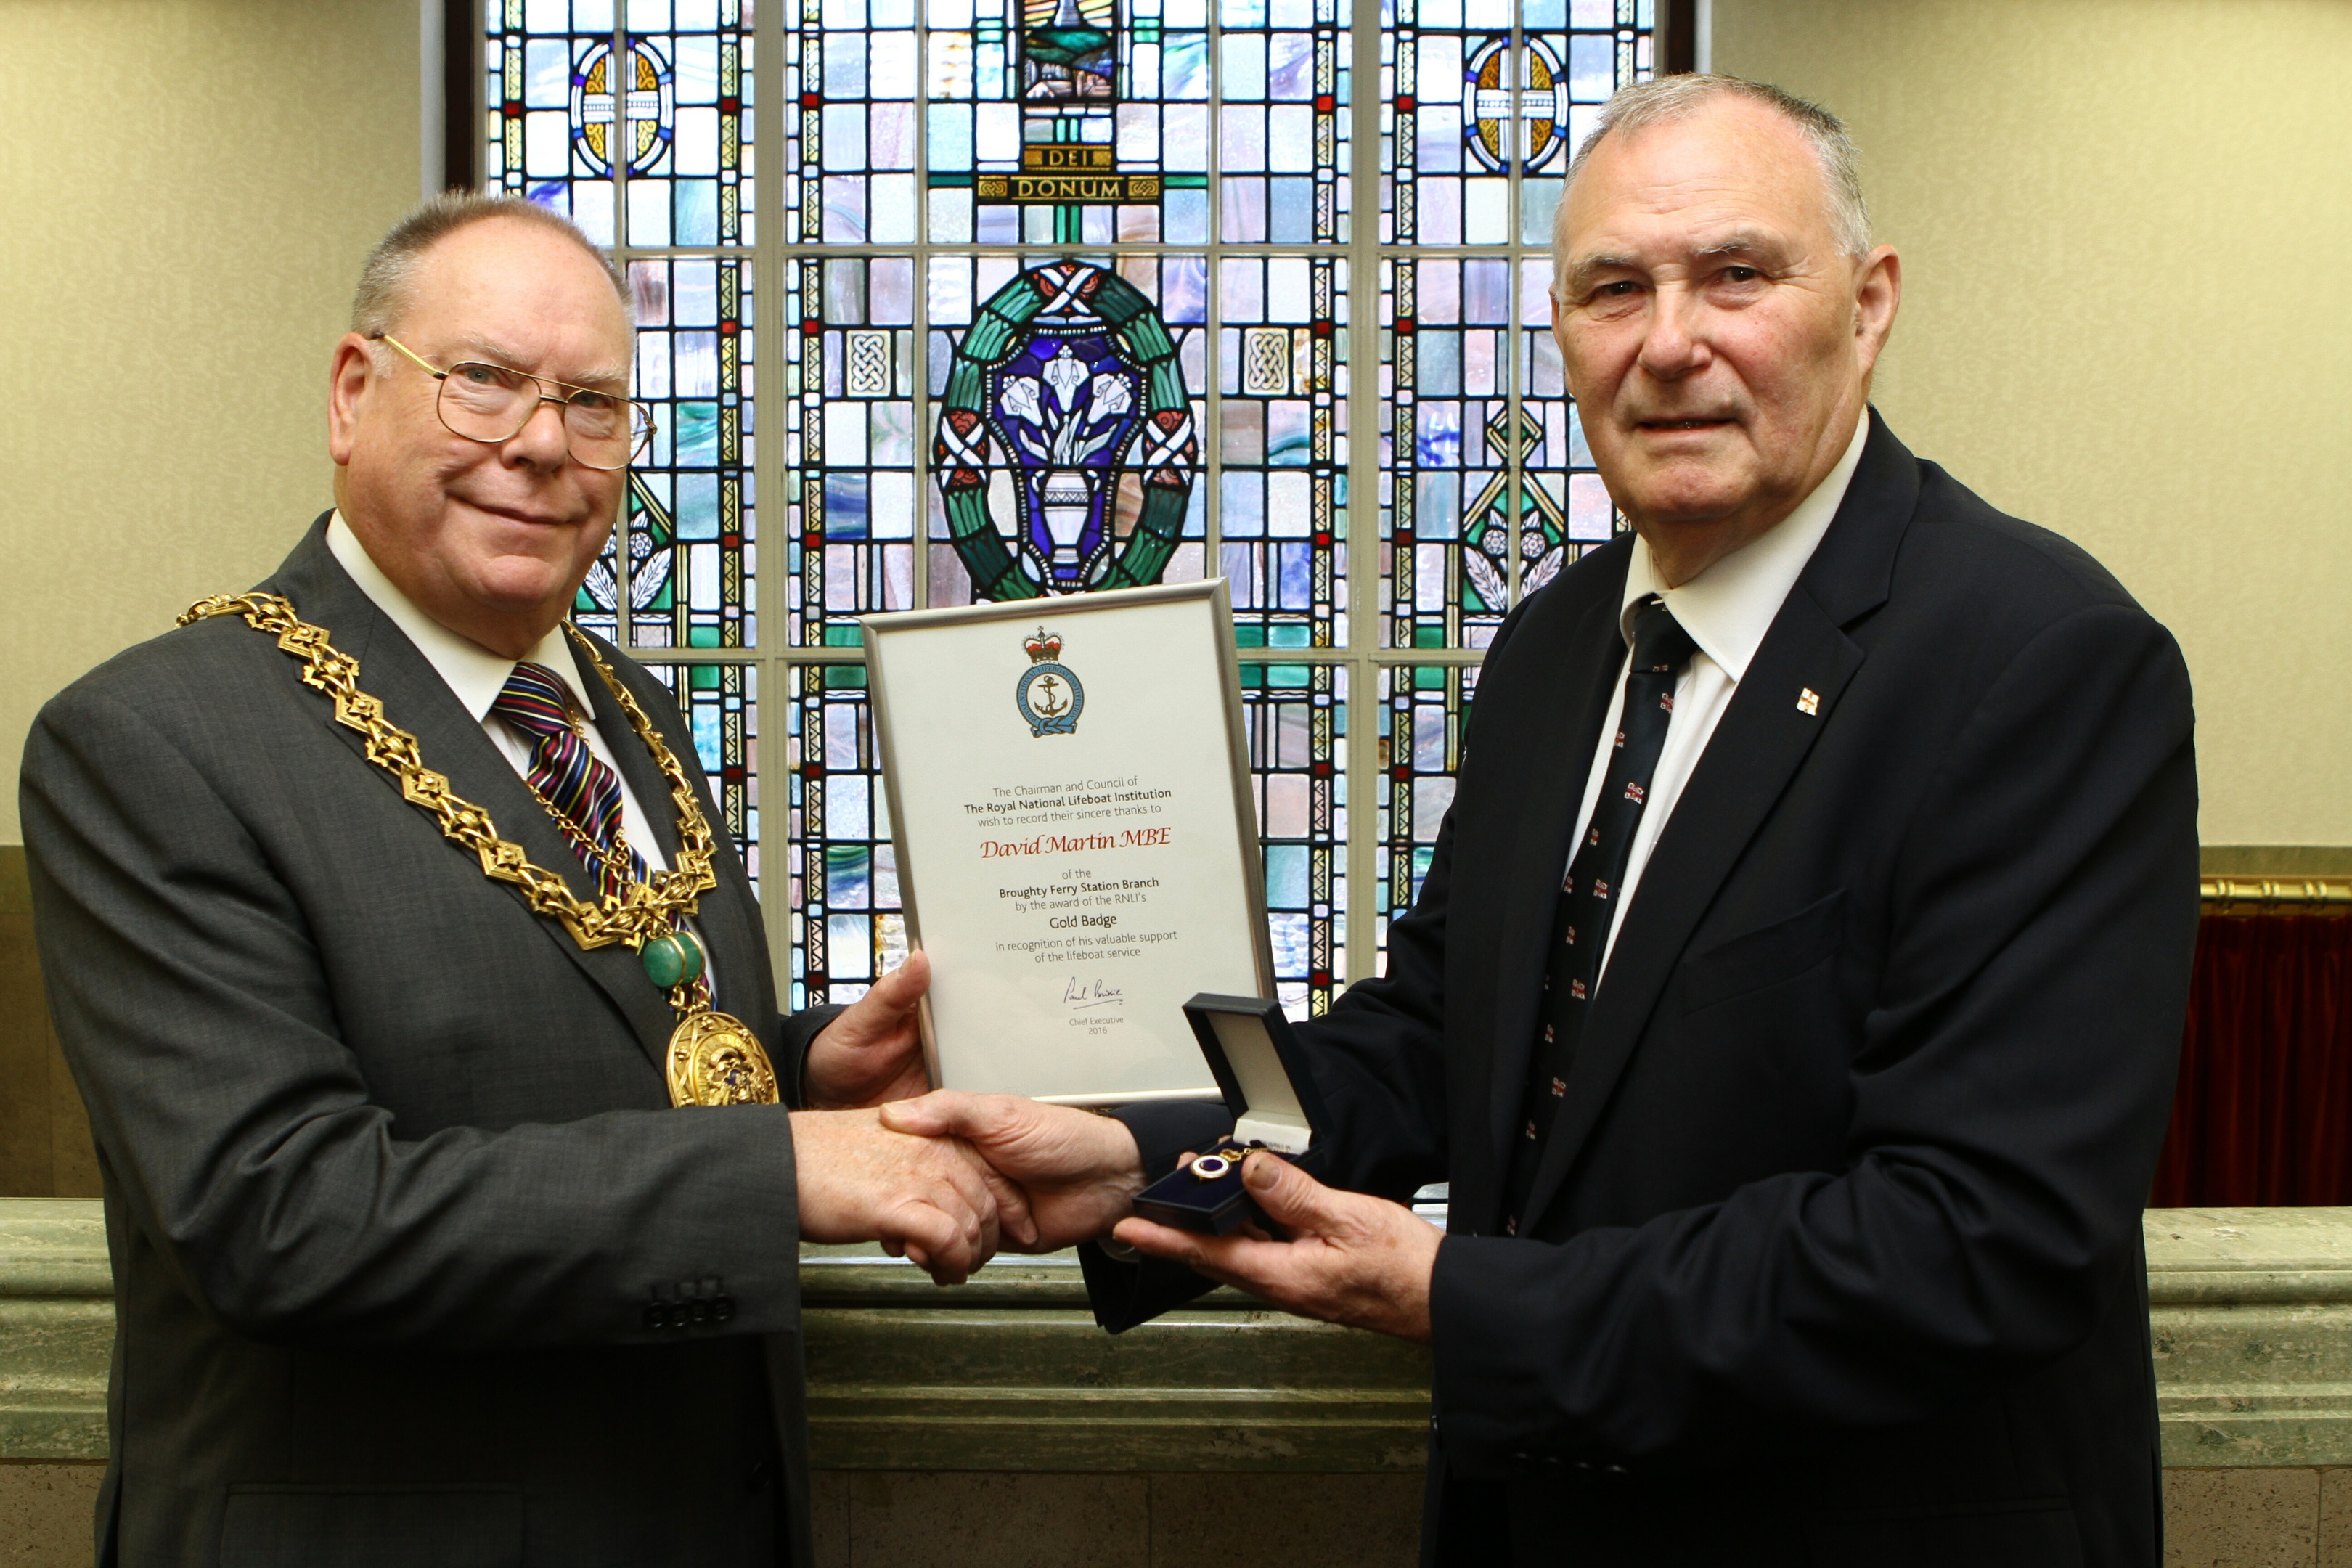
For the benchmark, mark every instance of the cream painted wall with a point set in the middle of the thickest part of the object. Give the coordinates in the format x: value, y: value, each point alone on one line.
x: 189, y: 187
x: 2126, y: 229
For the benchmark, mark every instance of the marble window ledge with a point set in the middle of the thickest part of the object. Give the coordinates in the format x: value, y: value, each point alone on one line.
x: 2250, y: 1311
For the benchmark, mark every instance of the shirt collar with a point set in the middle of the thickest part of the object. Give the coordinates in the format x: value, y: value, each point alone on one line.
x: 472, y: 671
x: 1728, y: 607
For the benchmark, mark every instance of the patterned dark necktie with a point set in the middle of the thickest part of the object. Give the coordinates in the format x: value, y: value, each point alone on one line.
x: 584, y: 794
x: 1591, y: 895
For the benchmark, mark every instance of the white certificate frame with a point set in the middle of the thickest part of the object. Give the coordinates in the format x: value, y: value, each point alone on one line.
x: 894, y: 655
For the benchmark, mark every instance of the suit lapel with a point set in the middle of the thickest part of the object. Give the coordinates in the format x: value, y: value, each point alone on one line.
x: 1763, y: 740
x: 453, y: 742
x: 1558, y: 757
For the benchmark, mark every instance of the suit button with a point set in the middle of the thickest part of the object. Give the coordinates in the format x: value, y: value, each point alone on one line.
x: 756, y: 1478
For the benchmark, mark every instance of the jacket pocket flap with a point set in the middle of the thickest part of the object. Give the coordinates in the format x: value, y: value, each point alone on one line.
x: 1755, y: 959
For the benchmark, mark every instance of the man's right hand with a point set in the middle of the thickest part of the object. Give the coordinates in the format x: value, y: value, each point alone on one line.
x: 930, y: 1199
x: 1078, y: 1171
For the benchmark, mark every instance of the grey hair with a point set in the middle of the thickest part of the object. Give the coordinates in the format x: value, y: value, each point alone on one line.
x: 387, y: 280
x: 1669, y: 97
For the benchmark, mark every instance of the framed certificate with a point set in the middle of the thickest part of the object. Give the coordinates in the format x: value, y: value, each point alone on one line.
x: 1078, y: 846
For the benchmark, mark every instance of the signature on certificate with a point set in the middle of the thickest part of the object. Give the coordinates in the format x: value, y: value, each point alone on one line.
x: 1078, y: 995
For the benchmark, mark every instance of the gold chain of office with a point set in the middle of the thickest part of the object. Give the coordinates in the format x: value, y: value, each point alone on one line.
x: 712, y: 1060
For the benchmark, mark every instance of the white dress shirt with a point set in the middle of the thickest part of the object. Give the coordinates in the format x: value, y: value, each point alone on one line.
x: 1727, y: 609
x: 477, y: 675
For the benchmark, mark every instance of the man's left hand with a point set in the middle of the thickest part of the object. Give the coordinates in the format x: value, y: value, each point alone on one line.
x: 1352, y: 1259
x: 874, y: 1051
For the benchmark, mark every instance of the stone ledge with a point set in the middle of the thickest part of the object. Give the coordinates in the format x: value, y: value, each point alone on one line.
x: 2251, y: 1317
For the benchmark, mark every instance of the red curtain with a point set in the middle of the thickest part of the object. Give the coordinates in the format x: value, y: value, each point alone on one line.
x: 2263, y: 1111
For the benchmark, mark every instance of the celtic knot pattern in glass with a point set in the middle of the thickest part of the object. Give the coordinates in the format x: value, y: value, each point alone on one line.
x: 1282, y: 438
x: 849, y: 442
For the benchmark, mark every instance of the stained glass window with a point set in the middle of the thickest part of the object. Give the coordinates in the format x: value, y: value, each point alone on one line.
x: 720, y: 704
x: 845, y: 924
x: 1062, y: 297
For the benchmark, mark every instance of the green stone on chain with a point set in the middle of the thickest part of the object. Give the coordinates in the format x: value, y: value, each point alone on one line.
x: 672, y: 960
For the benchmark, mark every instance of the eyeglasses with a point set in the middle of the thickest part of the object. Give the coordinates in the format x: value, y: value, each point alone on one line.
x: 490, y: 403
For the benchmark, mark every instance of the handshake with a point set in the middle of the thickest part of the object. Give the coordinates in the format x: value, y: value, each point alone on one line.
x: 948, y: 1179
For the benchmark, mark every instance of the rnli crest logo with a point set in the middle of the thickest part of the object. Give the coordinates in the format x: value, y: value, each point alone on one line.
x: 1048, y: 695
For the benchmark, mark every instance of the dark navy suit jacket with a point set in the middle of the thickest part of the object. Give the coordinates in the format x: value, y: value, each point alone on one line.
x: 1834, y: 1256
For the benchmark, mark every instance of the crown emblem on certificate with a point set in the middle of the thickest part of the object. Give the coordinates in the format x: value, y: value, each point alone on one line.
x: 1048, y: 695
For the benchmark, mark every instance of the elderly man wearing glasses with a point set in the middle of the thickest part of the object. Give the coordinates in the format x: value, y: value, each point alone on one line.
x: 456, y: 1156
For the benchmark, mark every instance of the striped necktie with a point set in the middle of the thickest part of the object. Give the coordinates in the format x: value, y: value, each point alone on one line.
x: 582, y: 792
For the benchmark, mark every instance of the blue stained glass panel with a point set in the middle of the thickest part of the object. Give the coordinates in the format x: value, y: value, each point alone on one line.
x: 720, y: 704
x: 1296, y: 723
x: 847, y: 923
x: 692, y: 528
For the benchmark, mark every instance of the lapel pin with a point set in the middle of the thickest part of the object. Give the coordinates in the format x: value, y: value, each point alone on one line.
x: 1808, y: 700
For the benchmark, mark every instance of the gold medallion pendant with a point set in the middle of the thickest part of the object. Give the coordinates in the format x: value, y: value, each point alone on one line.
x: 715, y: 1059
x: 712, y: 1060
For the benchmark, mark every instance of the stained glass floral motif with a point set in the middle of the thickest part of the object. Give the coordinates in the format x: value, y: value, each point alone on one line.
x: 720, y: 704
x: 1130, y: 509
x: 1066, y: 305
x: 1564, y: 509
x: 1067, y: 394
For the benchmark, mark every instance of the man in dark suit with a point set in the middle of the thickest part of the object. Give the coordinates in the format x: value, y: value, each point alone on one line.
x: 415, y: 1262
x: 1793, y: 997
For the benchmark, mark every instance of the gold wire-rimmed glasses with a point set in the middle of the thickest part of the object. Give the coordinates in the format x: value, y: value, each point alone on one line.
x: 491, y: 403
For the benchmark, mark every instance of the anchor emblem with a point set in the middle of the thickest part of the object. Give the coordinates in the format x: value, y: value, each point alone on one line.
x: 1048, y: 695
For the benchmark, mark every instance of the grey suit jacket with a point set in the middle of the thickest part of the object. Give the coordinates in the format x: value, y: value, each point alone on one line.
x: 414, y: 1262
